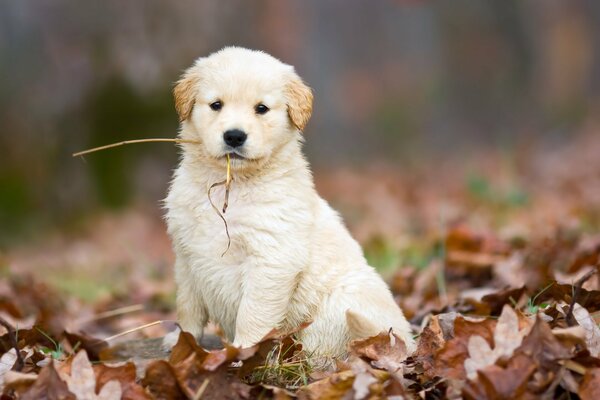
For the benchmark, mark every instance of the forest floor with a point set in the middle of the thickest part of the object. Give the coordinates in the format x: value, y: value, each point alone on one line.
x: 493, y: 257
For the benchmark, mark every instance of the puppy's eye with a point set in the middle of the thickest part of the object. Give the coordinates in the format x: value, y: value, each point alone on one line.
x: 216, y: 106
x: 261, y: 109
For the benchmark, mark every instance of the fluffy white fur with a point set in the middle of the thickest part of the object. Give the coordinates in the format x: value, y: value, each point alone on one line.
x: 291, y: 260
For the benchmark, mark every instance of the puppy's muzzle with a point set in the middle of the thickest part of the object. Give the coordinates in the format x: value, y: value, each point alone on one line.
x: 234, y: 137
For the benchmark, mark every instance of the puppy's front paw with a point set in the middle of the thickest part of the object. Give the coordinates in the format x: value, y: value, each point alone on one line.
x: 170, y: 340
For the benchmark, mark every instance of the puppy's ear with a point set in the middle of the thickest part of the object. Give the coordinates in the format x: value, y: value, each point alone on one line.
x: 299, y: 101
x: 185, y: 93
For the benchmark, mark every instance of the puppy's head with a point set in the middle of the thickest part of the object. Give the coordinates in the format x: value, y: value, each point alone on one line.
x: 241, y: 102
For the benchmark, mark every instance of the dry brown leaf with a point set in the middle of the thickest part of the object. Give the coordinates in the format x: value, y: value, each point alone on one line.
x: 495, y: 382
x: 125, y: 375
x: 82, y: 381
x: 19, y: 381
x: 363, y: 380
x: 449, y: 361
x: 385, y: 351
x: 497, y: 300
x: 590, y: 386
x: 199, y: 372
x: 510, y: 271
x: 507, y: 337
x: 271, y: 392
x: 588, y: 299
x: 92, y: 346
x: 571, y: 336
x: 430, y: 341
x: 481, y: 355
x: 543, y: 347
x: 7, y: 361
x: 161, y: 382
x: 592, y: 332
x: 334, y: 387
x: 49, y: 386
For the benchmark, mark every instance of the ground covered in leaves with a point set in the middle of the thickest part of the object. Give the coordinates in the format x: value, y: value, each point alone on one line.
x: 494, y: 259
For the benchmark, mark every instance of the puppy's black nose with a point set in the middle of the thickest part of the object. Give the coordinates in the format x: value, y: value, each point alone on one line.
x: 234, y: 137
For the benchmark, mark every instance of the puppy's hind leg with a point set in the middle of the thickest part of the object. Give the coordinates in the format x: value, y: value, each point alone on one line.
x: 361, y: 327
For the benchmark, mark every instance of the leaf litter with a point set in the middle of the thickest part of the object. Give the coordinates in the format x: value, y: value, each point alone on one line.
x: 518, y: 317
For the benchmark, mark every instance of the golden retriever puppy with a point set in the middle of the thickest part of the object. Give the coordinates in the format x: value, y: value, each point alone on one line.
x: 291, y: 259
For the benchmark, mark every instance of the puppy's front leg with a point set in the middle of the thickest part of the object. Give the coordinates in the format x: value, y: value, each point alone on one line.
x: 191, y: 311
x: 266, y: 294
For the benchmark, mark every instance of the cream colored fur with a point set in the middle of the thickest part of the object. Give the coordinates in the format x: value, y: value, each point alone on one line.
x: 291, y: 260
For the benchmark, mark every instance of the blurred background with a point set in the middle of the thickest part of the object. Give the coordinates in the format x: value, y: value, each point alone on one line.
x: 425, y: 112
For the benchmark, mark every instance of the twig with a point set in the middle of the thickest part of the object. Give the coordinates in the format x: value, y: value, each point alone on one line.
x: 228, y: 179
x: 227, y: 183
x: 109, y: 146
x: 111, y: 313
x: 138, y: 328
x: 12, y: 336
x: 201, y: 389
x: 219, y: 211
x: 578, y: 286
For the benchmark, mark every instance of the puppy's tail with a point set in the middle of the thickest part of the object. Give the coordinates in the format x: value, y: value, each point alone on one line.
x: 359, y: 326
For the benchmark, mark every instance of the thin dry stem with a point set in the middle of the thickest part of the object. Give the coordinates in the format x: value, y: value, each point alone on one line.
x: 137, y: 328
x: 227, y: 183
x: 228, y: 180
x: 201, y: 389
x: 111, y: 313
x: 219, y: 212
x: 110, y: 146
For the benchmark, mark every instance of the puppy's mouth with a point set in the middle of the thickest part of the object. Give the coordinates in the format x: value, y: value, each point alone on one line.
x: 236, y: 156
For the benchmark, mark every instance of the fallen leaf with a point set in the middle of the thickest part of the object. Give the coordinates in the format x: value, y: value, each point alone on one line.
x: 430, y: 341
x: 542, y: 346
x: 497, y: 300
x: 202, y: 373
x: 362, y: 382
x: 592, y: 332
x: 186, y: 345
x: 507, y: 337
x: 125, y: 375
x: 450, y: 359
x: 480, y: 356
x: 92, y: 346
x: 19, y: 382
x: 495, y: 382
x: 49, y: 386
x: 589, y: 388
x: 7, y: 361
x: 586, y: 253
x: 588, y: 299
x: 82, y: 381
x: 110, y: 391
x: 385, y: 351
x: 336, y: 386
x: 160, y: 380
x: 571, y: 336
x: 271, y: 392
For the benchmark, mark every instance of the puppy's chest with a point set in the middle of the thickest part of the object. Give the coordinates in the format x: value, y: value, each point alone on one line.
x: 254, y: 221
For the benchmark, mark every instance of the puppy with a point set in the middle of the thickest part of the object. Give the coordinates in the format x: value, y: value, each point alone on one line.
x: 291, y: 258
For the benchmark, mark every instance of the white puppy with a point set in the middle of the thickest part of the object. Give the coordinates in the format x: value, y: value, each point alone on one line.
x: 291, y: 259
